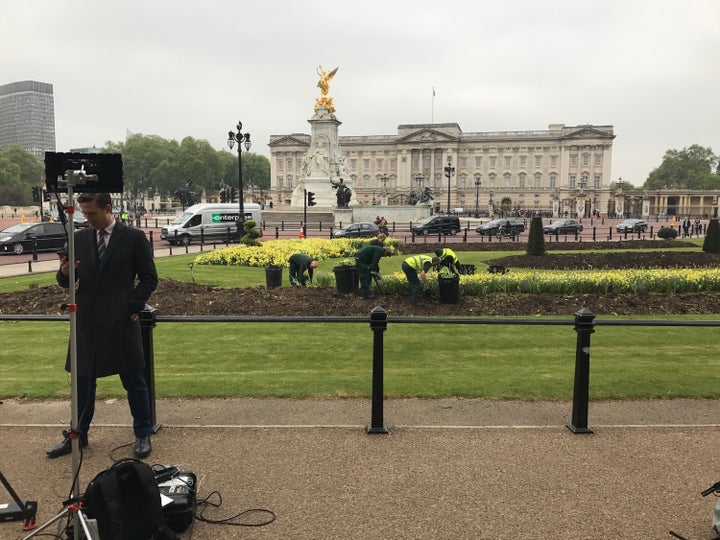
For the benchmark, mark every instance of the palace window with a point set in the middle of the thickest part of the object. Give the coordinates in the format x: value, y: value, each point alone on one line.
x: 289, y: 164
x: 538, y: 161
x: 506, y: 179
x: 586, y: 160
x: 536, y: 180
x: 280, y: 164
x: 523, y: 161
x: 596, y: 181
x: 598, y: 160
x: 379, y: 164
x: 572, y: 181
x: 508, y: 162
x: 553, y: 161
x: 478, y: 162
x: 366, y: 164
x: 553, y: 181
x: 573, y: 160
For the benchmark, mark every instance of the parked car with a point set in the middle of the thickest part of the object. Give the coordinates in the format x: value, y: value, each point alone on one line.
x: 438, y: 225
x: 563, y: 226
x: 21, y: 237
x: 632, y: 226
x: 507, y: 227
x: 79, y: 219
x: 363, y: 229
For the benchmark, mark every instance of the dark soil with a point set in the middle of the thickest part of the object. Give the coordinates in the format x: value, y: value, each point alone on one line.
x: 176, y: 298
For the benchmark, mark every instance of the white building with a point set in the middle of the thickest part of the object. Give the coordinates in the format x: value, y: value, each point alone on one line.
x: 564, y: 169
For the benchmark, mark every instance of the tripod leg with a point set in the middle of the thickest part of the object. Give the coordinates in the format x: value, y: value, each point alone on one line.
x: 86, y: 527
x: 47, y: 524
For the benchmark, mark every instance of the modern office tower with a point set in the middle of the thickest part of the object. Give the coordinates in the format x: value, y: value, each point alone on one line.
x: 27, y: 116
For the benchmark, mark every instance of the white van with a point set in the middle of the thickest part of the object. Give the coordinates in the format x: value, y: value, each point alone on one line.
x: 209, y: 221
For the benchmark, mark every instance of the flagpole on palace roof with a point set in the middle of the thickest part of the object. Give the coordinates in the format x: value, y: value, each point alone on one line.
x: 432, y: 108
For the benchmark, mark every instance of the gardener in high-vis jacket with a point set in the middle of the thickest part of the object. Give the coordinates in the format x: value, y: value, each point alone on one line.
x: 299, y: 264
x: 416, y: 269
x: 367, y: 261
x: 448, y: 259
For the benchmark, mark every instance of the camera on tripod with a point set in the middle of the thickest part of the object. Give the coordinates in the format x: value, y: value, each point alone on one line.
x: 84, y: 173
x: 79, y: 177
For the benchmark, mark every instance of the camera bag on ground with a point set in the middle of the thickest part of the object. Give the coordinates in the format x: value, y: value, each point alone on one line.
x: 178, y: 498
x: 125, y: 501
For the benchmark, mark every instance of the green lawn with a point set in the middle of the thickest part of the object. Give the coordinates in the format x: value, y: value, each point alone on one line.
x: 306, y: 360
x: 321, y: 360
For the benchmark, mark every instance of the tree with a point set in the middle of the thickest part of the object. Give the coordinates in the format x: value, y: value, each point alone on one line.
x: 19, y: 172
x: 256, y: 169
x: 154, y: 164
x: 536, y: 238
x: 145, y: 159
x: 690, y: 168
x: 711, y: 244
x: 198, y: 163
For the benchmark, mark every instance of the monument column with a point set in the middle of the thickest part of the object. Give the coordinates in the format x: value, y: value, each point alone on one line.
x: 324, y: 171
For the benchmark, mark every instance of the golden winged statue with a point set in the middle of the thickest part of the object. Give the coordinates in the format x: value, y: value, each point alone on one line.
x: 324, y: 85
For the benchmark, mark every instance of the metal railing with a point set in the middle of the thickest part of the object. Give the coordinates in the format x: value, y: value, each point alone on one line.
x: 583, y: 324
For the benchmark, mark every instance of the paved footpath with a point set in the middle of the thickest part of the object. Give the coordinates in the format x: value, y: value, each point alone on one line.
x: 447, y: 469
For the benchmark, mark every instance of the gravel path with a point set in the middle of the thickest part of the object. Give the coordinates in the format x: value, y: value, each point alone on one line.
x: 448, y: 468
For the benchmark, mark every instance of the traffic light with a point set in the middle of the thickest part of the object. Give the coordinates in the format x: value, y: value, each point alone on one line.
x: 311, y: 198
x: 46, y: 195
x: 233, y: 195
x: 36, y: 194
x: 223, y: 196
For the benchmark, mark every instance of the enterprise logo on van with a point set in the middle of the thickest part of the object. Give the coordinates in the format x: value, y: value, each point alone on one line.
x: 222, y: 218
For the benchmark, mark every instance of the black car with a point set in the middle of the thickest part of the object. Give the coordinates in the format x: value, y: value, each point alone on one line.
x: 563, y: 226
x: 438, y: 225
x: 79, y: 220
x: 632, y: 226
x: 507, y: 227
x: 22, y: 237
x: 365, y: 229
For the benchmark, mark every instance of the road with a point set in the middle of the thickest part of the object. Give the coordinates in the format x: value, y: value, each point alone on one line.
x: 595, y: 229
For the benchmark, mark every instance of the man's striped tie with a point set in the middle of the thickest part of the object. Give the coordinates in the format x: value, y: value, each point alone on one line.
x: 100, y: 245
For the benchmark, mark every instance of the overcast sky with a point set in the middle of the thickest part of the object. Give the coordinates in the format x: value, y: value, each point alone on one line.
x: 650, y: 68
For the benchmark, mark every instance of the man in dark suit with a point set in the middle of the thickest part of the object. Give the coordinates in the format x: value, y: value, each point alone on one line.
x: 116, y: 275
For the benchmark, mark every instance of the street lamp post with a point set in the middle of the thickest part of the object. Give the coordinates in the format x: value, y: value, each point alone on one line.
x: 477, y: 197
x: 239, y: 138
x: 449, y: 173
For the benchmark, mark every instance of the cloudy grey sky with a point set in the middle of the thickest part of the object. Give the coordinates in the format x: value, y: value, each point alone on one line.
x: 648, y: 67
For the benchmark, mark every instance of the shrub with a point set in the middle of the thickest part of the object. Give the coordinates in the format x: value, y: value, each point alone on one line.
x: 712, y: 237
x: 250, y: 238
x: 667, y: 233
x: 536, y: 239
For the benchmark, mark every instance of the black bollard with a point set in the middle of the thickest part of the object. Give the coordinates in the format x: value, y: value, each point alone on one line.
x: 584, y: 326
x: 147, y: 323
x: 378, y: 324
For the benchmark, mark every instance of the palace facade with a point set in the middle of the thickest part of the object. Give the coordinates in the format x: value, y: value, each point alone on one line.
x: 564, y: 170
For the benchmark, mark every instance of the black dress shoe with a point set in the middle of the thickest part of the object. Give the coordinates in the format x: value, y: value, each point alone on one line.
x: 65, y: 447
x: 142, y: 447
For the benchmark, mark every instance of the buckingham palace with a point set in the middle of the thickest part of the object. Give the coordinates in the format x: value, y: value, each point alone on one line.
x: 563, y: 170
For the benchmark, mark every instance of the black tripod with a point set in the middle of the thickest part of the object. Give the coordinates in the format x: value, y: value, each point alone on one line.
x: 18, y: 510
x: 74, y: 505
